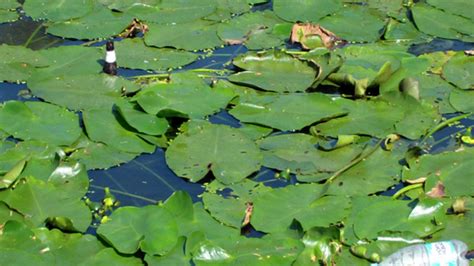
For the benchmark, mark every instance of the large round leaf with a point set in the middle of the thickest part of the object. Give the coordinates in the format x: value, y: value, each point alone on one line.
x: 460, y: 71
x: 305, y: 10
x: 229, y: 154
x: 81, y: 92
x: 40, y: 121
x: 196, y: 35
x: 57, y: 10
x: 151, y: 229
x: 102, y: 126
x: 141, y: 121
x: 355, y: 23
x: 288, y: 111
x: 132, y: 53
x: 462, y: 100
x: 427, y: 20
x: 457, y: 7
x: 100, y: 23
x: 274, y: 71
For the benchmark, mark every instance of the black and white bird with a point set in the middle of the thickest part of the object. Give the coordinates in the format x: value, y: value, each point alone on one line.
x: 110, y: 66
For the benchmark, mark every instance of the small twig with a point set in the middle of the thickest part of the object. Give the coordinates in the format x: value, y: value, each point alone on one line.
x: 444, y: 124
x: 33, y: 35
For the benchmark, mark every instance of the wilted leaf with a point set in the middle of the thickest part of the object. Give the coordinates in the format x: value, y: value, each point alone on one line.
x: 312, y: 36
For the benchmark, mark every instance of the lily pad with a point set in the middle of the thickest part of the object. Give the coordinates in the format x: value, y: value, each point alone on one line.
x: 273, y: 71
x: 8, y: 16
x: 103, y: 126
x: 355, y: 23
x: 38, y: 200
x: 40, y: 121
x: 462, y: 100
x: 98, y: 23
x: 450, y: 27
x: 301, y: 202
x: 196, y: 35
x: 287, y: 112
x: 305, y: 10
x: 222, y: 150
x: 151, y: 229
x: 452, y: 169
x: 57, y: 10
x: 81, y: 92
x: 141, y: 121
x: 132, y: 53
x: 185, y: 95
x: 459, y: 71
x: 245, y: 28
x: 9, y: 4
x: 168, y: 11
x: 457, y: 7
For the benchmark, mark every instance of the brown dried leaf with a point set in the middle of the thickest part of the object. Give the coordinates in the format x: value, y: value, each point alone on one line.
x: 248, y: 214
x: 234, y: 41
x: 302, y: 31
x: 437, y: 191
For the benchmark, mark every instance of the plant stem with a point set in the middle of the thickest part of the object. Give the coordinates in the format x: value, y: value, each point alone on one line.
x: 444, y: 124
x: 406, y: 189
x: 33, y: 35
x: 126, y: 194
x: 356, y: 161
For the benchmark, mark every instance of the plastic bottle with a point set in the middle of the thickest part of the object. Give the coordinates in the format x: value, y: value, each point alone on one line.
x: 445, y: 253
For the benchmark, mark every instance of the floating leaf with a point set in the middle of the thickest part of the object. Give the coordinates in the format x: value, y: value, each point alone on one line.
x: 457, y: 7
x: 132, y: 53
x: 11, y: 176
x: 185, y: 95
x: 196, y: 35
x: 40, y: 121
x: 99, y: 23
x: 151, y: 229
x: 302, y: 202
x: 81, y: 92
x: 57, y: 10
x: 102, y: 126
x: 254, y: 29
x: 38, y: 201
x: 451, y: 168
x: 9, y: 4
x: 305, y: 10
x: 8, y: 16
x: 355, y: 23
x: 450, y: 27
x: 312, y: 36
x: 174, y: 257
x: 462, y: 100
x: 459, y: 71
x: 273, y: 71
x: 204, y: 147
x: 287, y: 112
x: 141, y: 121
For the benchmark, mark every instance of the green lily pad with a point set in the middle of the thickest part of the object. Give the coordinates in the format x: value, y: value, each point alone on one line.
x: 305, y: 10
x: 103, y: 126
x: 132, y: 53
x: 97, y: 155
x: 249, y: 28
x: 168, y: 11
x: 8, y: 16
x: 222, y: 150
x: 450, y: 26
x: 40, y: 121
x: 462, y: 100
x: 302, y: 202
x: 459, y: 71
x: 9, y: 4
x: 57, y: 10
x: 81, y: 92
x: 185, y: 95
x: 99, y: 23
x: 287, y: 112
x: 273, y: 71
x: 19, y: 62
x: 70, y: 60
x: 355, y: 23
x: 321, y: 244
x: 457, y: 7
x: 299, y: 153
x: 38, y: 200
x: 196, y: 35
x: 141, y: 121
x: 176, y: 256
x: 226, y: 9
x: 382, y: 117
x: 452, y: 169
x: 151, y: 229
